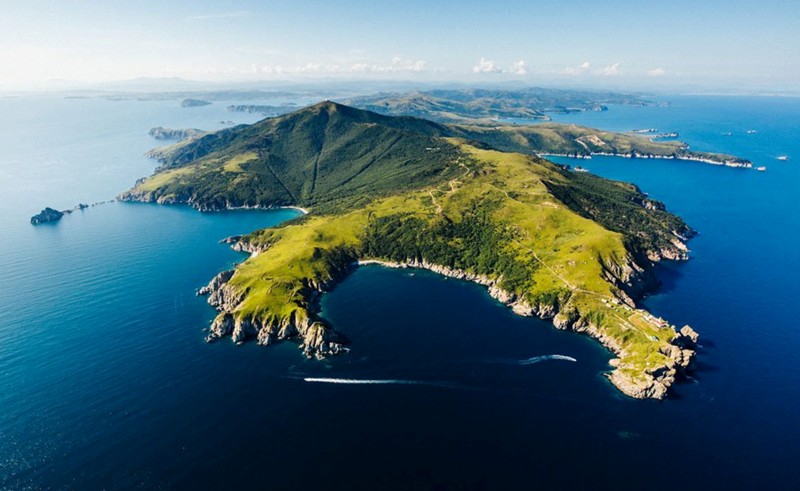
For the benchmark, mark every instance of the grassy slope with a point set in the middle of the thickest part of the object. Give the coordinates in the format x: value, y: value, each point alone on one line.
x: 562, y: 253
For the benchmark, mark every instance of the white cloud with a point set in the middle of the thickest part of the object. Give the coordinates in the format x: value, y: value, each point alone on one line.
x: 656, y: 72
x: 486, y: 66
x: 519, y: 68
x: 400, y: 64
x: 577, y: 70
x: 610, y: 70
x: 271, y: 70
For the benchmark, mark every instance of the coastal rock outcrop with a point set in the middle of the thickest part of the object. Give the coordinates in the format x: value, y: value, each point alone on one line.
x: 318, y: 340
x: 47, y: 215
x: 161, y: 133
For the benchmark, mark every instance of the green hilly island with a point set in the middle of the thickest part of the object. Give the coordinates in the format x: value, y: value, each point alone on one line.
x: 486, y: 105
x: 475, y: 203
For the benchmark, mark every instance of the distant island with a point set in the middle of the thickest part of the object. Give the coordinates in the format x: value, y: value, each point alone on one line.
x: 194, y: 103
x: 486, y: 106
x: 407, y: 192
x: 571, y: 140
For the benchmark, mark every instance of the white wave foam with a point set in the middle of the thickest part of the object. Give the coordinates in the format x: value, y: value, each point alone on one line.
x: 537, y: 359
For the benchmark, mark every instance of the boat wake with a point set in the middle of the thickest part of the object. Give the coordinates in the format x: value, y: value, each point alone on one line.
x: 360, y: 381
x: 392, y: 381
x: 537, y: 359
x: 430, y: 383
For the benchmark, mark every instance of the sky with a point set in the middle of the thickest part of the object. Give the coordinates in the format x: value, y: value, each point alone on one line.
x: 705, y: 45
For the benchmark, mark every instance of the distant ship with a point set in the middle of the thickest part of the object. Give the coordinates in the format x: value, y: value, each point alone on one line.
x: 581, y: 169
x: 782, y: 157
x: 752, y: 132
x: 761, y: 169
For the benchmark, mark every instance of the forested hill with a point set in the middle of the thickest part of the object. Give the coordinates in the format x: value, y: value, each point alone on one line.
x: 320, y: 154
x: 330, y: 153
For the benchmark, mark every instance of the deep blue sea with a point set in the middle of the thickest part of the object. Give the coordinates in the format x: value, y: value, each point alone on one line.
x: 106, y: 383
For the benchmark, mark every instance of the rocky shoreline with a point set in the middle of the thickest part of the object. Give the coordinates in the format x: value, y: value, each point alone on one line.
x: 319, y: 340
x: 681, y: 350
x: 732, y: 162
x: 149, y: 197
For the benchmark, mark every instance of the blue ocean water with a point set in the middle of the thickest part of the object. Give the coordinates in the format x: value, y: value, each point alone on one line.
x: 106, y: 383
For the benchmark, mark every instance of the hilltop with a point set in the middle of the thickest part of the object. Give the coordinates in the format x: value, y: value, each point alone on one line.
x: 407, y: 192
x: 319, y: 155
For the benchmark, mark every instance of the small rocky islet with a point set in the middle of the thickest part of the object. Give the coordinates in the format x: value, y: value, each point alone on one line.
x: 46, y: 216
x: 49, y: 215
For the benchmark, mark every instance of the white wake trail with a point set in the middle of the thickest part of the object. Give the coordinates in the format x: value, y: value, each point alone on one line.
x: 537, y: 359
x: 355, y: 381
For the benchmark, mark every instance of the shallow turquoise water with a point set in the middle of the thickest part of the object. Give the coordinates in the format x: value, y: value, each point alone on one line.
x: 105, y: 381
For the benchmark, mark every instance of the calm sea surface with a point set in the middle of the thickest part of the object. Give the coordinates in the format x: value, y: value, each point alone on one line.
x: 106, y: 383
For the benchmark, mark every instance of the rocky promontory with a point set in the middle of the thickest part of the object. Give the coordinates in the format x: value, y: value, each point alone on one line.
x: 161, y: 133
x: 318, y: 340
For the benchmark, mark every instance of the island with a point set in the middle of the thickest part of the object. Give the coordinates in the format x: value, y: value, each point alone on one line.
x: 194, y: 103
x: 486, y: 106
x: 47, y: 215
x: 411, y: 193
